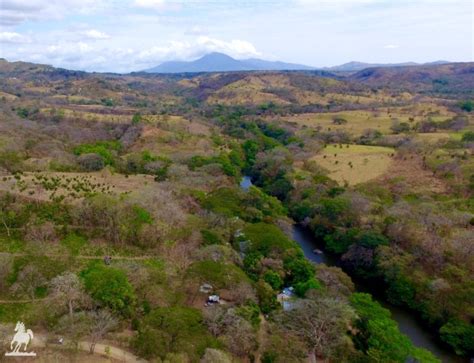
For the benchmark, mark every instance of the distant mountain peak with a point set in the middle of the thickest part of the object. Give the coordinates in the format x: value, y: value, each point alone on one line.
x: 220, y: 62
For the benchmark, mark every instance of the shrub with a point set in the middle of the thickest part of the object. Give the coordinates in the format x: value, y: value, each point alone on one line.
x: 273, y: 279
x: 339, y: 120
x: 301, y: 288
x: 74, y: 243
x: 468, y: 136
x: 137, y: 117
x: 103, y: 148
x: 210, y: 238
x: 91, y: 162
x: 467, y: 105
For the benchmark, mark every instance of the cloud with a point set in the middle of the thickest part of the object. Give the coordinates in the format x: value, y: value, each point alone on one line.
x: 185, y: 50
x: 15, y: 12
x: 156, y: 4
x: 95, y: 34
x: 391, y: 46
x: 13, y: 38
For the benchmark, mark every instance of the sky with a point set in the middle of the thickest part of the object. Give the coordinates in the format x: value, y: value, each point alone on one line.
x: 132, y: 35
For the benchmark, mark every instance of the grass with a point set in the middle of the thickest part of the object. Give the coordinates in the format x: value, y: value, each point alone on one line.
x: 379, y: 119
x: 368, y: 162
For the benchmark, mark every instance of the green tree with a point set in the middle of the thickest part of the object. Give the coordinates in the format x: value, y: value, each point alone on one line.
x: 173, y: 329
x: 110, y: 287
x: 459, y: 335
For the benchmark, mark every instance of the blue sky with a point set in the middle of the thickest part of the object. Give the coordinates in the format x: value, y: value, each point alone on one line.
x: 130, y: 35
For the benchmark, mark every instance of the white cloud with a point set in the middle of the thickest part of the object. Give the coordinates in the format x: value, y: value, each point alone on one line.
x: 151, y: 4
x: 14, y: 12
x: 184, y: 50
x: 14, y: 38
x: 95, y: 34
x: 391, y: 46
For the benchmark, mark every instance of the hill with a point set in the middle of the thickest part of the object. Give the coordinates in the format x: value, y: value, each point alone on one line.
x: 358, y: 66
x: 219, y: 62
x: 442, y: 78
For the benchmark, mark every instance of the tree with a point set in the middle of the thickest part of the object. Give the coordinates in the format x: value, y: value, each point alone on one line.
x: 399, y: 127
x: 173, y: 329
x: 6, y: 265
x: 28, y: 281
x: 91, y: 162
x: 68, y: 288
x: 467, y: 105
x: 102, y: 322
x: 137, y: 117
x: 235, y: 330
x: 110, y: 287
x: 215, y: 356
x: 338, y: 120
x: 378, y: 335
x: 459, y: 335
x: 468, y: 136
x: 320, y: 323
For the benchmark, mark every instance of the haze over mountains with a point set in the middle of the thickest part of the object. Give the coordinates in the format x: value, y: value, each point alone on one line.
x: 219, y: 62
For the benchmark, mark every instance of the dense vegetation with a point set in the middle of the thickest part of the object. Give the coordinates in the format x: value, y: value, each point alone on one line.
x: 145, y: 169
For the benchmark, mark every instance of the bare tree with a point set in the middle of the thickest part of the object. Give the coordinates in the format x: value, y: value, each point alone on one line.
x: 6, y: 264
x: 29, y: 279
x: 69, y: 289
x: 321, y: 324
x: 102, y: 322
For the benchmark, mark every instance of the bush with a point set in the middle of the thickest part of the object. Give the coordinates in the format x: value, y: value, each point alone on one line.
x: 468, y: 136
x: 105, y: 149
x: 210, y: 238
x: 339, y: 120
x: 467, y: 106
x: 301, y: 288
x: 273, y: 279
x: 74, y: 243
x: 91, y: 162
x: 136, y: 118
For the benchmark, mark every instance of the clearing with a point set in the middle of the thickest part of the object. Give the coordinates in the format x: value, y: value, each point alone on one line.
x: 354, y: 164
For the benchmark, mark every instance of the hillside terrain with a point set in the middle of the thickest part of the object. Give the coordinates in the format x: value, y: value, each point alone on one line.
x: 123, y: 220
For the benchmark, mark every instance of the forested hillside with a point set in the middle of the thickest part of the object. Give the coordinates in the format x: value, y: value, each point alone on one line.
x: 123, y: 221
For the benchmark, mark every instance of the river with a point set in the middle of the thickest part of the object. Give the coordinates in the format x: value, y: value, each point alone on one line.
x: 407, y: 323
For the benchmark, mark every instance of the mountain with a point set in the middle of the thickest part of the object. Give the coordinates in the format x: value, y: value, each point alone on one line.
x: 358, y: 66
x: 219, y: 62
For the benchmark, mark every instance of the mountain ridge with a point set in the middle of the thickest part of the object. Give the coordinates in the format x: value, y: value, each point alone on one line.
x: 220, y: 62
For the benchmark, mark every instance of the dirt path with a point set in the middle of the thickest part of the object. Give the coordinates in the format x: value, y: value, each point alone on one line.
x: 84, y: 257
x: 40, y: 340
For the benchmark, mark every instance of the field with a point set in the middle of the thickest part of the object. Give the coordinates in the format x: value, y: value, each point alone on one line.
x: 354, y: 164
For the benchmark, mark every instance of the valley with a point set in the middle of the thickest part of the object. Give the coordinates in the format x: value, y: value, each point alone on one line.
x: 121, y: 212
